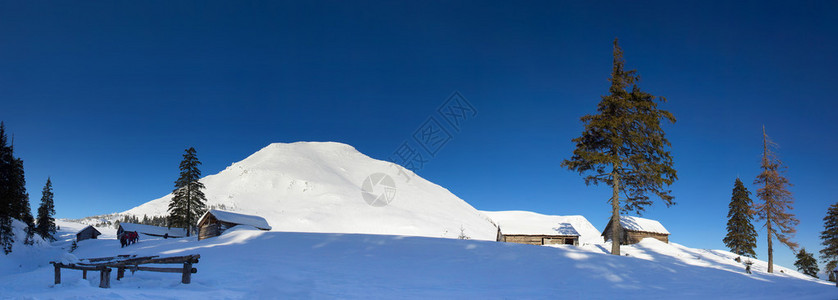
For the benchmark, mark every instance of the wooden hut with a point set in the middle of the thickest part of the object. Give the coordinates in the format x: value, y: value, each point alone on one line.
x: 215, y: 222
x: 636, y: 229
x: 534, y: 229
x: 151, y: 230
x: 88, y: 232
x: 560, y: 234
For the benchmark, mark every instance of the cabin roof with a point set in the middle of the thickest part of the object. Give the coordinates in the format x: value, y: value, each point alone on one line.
x: 535, y: 226
x: 153, y: 230
x: 91, y: 227
x: 641, y: 224
x: 237, y: 218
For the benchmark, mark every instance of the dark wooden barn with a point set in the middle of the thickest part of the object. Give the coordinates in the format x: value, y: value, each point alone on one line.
x: 88, y: 232
x: 215, y: 222
x: 636, y: 229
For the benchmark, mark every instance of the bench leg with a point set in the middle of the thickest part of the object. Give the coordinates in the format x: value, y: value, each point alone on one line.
x: 57, y: 274
x: 105, y: 278
x: 187, y: 273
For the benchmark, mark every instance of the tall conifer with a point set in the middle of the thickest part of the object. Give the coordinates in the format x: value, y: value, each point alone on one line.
x: 776, y: 200
x: 20, y: 202
x: 6, y: 192
x: 829, y: 235
x: 624, y: 146
x: 46, y: 211
x: 741, y: 237
x: 188, y: 201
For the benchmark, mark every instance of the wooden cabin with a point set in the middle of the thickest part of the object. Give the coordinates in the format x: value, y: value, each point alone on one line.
x: 88, y: 232
x: 215, y: 222
x: 151, y: 230
x: 636, y: 229
x: 561, y: 234
x: 537, y: 229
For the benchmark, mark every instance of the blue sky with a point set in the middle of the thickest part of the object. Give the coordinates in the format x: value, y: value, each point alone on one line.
x: 104, y: 96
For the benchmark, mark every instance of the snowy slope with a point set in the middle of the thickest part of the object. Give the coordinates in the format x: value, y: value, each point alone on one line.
x: 525, y: 222
x: 24, y: 257
x: 316, y: 187
x: 254, y: 264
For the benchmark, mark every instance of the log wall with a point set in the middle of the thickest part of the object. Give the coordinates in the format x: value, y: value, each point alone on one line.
x: 208, y: 231
x: 541, y: 239
x: 634, y: 237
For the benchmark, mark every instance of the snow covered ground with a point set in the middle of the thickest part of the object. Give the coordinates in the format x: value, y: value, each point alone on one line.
x: 254, y: 264
x: 328, y: 243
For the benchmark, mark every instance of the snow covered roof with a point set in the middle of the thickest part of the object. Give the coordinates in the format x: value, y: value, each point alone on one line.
x: 529, y: 223
x: 237, y: 218
x: 88, y: 226
x: 566, y: 229
x: 153, y: 230
x: 641, y: 224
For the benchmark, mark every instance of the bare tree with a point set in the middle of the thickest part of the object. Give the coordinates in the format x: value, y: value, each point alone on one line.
x: 776, y: 200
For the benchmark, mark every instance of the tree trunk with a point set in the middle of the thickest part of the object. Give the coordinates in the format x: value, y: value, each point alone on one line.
x: 188, y: 208
x: 768, y: 197
x: 616, y: 229
x: 770, y: 246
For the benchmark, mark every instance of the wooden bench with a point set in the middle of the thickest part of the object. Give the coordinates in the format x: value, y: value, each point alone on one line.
x: 130, y: 262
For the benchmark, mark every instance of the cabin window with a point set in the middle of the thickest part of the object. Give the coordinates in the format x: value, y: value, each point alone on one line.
x: 568, y: 241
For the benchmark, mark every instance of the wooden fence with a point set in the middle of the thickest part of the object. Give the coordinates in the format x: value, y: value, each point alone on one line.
x: 103, y: 265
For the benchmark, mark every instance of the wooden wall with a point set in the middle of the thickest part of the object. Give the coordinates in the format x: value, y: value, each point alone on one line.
x: 86, y: 233
x: 634, y: 237
x: 541, y: 239
x: 208, y: 231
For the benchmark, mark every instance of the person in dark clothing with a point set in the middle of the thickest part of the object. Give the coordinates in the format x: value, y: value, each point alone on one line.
x: 134, y: 237
x: 123, y: 240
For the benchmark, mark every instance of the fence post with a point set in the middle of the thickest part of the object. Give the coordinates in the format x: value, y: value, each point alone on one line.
x: 105, y: 278
x: 57, y: 272
x: 83, y: 274
x: 187, y: 272
x: 120, y: 272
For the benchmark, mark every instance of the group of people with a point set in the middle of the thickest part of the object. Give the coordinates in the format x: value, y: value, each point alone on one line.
x: 128, y: 238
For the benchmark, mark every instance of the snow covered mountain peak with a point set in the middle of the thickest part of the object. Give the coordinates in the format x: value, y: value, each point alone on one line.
x: 316, y: 187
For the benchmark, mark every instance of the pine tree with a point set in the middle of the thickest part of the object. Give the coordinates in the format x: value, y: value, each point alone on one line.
x: 806, y: 263
x: 20, y: 202
x: 624, y: 147
x: 776, y: 200
x: 6, y: 192
x: 46, y: 211
x: 741, y: 237
x: 829, y: 235
x: 188, y: 201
